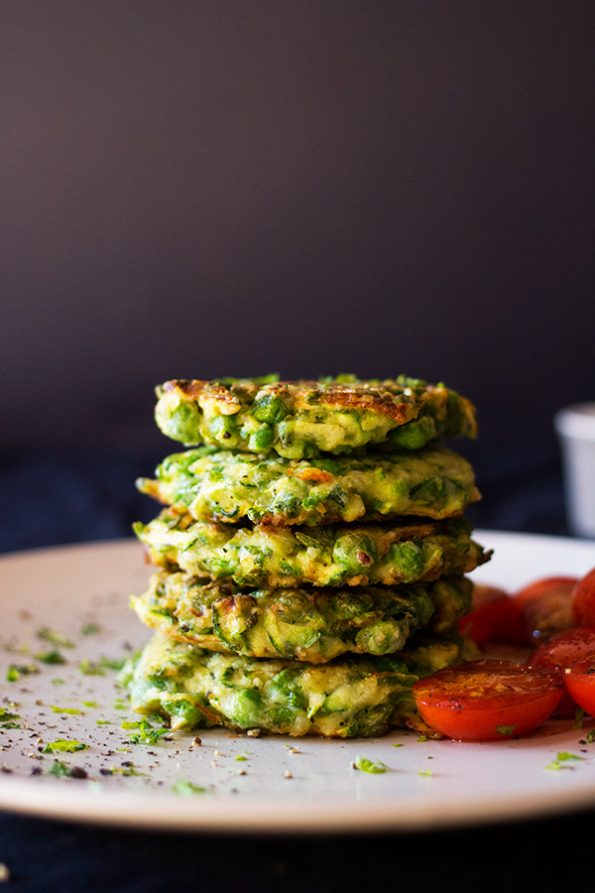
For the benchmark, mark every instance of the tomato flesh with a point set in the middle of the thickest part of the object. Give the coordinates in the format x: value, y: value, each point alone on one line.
x: 561, y: 653
x: 572, y: 654
x: 488, y: 699
x: 565, y: 649
x: 580, y: 682
x: 583, y: 599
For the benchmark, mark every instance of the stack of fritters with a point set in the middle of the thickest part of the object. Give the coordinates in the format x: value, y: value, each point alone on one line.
x: 312, y: 553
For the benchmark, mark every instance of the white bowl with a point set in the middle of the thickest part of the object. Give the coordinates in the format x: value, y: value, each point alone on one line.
x: 575, y: 426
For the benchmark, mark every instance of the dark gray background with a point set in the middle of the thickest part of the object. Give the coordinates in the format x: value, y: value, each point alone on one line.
x: 215, y: 188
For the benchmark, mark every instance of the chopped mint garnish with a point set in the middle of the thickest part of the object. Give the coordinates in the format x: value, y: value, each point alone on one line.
x: 7, y: 715
x: 579, y: 718
x: 112, y: 663
x: 55, y: 637
x: 562, y: 760
x: 90, y: 629
x: 187, y: 788
x: 590, y: 736
x: 91, y: 668
x: 50, y: 657
x: 128, y: 768
x: 63, y: 745
x: 505, y: 730
x: 59, y: 769
x: 145, y: 732
x: 15, y: 671
x: 366, y: 765
x: 71, y: 711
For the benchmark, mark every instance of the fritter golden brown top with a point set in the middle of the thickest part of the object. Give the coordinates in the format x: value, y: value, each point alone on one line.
x: 297, y: 419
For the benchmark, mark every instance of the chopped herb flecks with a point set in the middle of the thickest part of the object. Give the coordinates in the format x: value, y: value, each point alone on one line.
x: 366, y: 765
x: 505, y: 730
x: 15, y: 671
x: 128, y: 768
x: 144, y: 733
x: 562, y: 760
x: 187, y: 788
x: 59, y: 769
x: 7, y: 715
x: 579, y: 718
x: 112, y: 663
x: 50, y: 657
x: 91, y: 668
x: 55, y: 637
x: 63, y: 745
x: 90, y: 629
x: 71, y: 711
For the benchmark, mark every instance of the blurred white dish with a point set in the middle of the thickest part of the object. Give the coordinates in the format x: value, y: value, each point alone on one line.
x: 270, y: 788
x: 576, y: 429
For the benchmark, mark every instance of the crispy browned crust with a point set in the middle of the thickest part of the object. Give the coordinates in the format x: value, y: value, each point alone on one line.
x: 196, y: 388
x: 303, y: 395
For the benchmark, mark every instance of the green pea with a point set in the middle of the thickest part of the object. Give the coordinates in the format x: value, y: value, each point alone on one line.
x: 414, y: 435
x: 269, y: 408
x: 355, y: 552
x: 223, y: 429
x: 261, y: 439
x: 410, y: 559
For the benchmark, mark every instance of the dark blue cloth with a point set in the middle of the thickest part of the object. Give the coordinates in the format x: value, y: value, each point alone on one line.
x: 57, y: 497
x: 549, y: 855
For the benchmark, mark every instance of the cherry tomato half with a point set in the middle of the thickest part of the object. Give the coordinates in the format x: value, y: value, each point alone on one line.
x: 482, y: 621
x: 580, y: 682
x: 565, y: 649
x: 499, y: 620
x: 583, y: 599
x: 562, y: 652
x: 546, y: 606
x: 494, y: 617
x: 488, y: 699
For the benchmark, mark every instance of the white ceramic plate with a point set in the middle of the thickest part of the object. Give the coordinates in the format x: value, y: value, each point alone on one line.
x: 429, y: 784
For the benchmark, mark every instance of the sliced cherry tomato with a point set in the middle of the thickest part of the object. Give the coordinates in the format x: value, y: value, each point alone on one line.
x: 486, y: 700
x: 547, y: 607
x: 562, y: 652
x: 580, y: 682
x: 583, y: 599
x: 494, y: 617
x: 565, y: 649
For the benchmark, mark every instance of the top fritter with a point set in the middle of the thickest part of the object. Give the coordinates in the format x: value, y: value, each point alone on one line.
x: 301, y: 419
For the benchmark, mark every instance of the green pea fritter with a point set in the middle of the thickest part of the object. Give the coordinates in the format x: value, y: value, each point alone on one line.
x: 305, y: 418
x: 302, y: 624
x: 227, y: 486
x: 354, y: 555
x: 351, y: 697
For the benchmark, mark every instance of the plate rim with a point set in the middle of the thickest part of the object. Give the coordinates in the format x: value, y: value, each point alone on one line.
x: 251, y: 815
